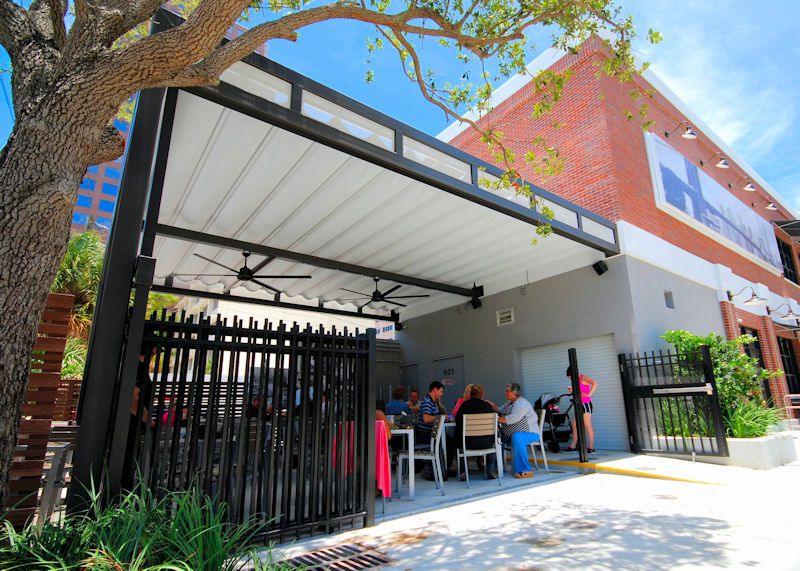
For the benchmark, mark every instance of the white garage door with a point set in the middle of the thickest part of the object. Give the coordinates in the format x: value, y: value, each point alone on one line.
x: 544, y: 370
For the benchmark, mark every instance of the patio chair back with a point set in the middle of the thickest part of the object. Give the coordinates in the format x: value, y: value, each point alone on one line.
x: 438, y: 433
x: 483, y: 424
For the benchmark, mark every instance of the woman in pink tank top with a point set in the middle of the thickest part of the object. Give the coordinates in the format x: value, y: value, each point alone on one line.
x: 588, y: 388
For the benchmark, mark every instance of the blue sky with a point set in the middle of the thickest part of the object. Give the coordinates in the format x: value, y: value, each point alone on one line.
x: 732, y: 61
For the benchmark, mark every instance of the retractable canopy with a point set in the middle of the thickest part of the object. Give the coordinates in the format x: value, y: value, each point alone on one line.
x: 314, y: 183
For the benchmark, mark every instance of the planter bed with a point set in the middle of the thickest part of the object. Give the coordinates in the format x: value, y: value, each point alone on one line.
x: 770, y: 451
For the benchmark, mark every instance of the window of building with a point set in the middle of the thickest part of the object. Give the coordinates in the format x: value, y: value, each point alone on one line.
x: 754, y: 350
x: 78, y: 218
x: 112, y: 172
x: 110, y: 188
x: 94, y: 169
x: 121, y: 125
x: 789, y: 362
x: 104, y: 222
x: 787, y: 257
x: 107, y: 205
x: 669, y: 300
x: 85, y: 201
x: 87, y: 184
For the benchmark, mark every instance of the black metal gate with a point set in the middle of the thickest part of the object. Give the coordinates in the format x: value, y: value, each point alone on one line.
x: 277, y: 423
x: 672, y: 404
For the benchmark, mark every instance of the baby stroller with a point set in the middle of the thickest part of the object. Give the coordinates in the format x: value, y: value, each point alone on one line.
x: 556, y: 423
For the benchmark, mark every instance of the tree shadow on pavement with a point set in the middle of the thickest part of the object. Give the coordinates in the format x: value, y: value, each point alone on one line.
x: 569, y: 536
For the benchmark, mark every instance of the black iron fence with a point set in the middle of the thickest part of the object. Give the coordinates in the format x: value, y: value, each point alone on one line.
x: 672, y: 404
x: 275, y: 422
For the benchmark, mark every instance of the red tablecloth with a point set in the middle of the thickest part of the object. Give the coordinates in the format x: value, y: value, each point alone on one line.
x: 383, y: 470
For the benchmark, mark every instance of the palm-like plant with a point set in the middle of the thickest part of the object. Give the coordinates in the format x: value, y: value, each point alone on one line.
x: 79, y: 275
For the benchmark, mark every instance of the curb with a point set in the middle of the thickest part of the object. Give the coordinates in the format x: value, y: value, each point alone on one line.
x: 625, y: 471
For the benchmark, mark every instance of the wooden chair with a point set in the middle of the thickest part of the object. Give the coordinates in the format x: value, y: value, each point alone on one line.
x: 484, y: 424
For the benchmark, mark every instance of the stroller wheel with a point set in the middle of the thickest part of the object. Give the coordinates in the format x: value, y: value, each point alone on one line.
x: 554, y: 447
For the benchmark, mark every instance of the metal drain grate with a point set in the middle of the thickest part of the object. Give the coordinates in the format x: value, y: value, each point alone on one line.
x: 345, y: 557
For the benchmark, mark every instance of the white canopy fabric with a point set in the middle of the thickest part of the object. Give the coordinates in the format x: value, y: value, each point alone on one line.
x: 235, y: 176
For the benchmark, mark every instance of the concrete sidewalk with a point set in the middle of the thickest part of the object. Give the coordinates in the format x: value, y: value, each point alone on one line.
x: 603, y: 521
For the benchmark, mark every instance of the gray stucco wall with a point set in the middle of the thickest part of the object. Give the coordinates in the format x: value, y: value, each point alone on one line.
x: 696, y: 306
x: 627, y: 301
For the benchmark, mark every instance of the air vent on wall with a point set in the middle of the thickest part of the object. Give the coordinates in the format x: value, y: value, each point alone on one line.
x: 505, y: 317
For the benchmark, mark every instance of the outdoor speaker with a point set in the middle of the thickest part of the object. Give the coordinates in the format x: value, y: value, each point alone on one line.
x: 398, y: 326
x: 475, y: 302
x: 600, y: 267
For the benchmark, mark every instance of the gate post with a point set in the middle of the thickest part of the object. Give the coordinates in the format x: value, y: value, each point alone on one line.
x: 576, y: 402
x: 99, y: 390
x: 626, y: 397
x: 716, y: 413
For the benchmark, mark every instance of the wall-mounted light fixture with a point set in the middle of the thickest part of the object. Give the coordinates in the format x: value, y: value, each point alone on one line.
x: 722, y: 163
x: 754, y: 299
x: 771, y: 206
x: 688, y: 133
x: 749, y: 186
x: 788, y: 315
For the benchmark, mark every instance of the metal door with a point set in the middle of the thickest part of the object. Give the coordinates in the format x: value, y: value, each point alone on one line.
x: 450, y: 372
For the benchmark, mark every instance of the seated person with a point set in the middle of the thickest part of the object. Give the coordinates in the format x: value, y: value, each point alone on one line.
x: 461, y: 400
x: 520, y: 427
x: 413, y: 404
x: 429, y: 409
x: 380, y: 415
x: 398, y: 405
x: 476, y: 405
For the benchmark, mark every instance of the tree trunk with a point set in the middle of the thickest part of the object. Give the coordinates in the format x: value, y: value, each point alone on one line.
x: 40, y: 170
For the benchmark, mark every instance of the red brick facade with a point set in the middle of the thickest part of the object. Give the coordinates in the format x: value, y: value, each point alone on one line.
x: 605, y: 159
x: 606, y: 170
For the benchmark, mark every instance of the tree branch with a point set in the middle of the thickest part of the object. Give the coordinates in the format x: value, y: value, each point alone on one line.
x: 48, y: 18
x: 209, y: 69
x: 14, y: 26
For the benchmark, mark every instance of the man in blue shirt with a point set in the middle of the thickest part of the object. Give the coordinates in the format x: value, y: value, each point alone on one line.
x: 429, y: 409
x: 398, y: 403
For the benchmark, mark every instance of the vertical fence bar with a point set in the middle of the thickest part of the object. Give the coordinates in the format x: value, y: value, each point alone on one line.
x: 576, y: 400
x: 716, y: 413
x: 369, y: 393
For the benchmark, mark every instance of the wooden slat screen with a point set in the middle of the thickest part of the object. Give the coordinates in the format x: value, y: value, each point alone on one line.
x: 37, y: 413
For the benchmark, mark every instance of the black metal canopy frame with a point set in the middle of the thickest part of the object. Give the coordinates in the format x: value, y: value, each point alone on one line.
x: 116, y: 339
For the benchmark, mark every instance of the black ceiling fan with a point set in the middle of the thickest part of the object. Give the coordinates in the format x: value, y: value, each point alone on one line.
x: 244, y: 273
x: 377, y: 296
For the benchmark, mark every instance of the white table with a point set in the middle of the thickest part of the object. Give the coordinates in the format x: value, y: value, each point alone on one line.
x: 409, y: 434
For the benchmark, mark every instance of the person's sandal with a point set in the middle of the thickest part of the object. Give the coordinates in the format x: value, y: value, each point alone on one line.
x: 570, y: 449
x: 523, y: 475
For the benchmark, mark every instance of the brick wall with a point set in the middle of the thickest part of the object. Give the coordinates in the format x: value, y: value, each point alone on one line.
x: 735, y: 318
x: 606, y: 168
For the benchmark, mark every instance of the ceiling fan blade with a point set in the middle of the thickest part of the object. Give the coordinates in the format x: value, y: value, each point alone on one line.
x: 365, y: 305
x: 198, y: 274
x: 406, y: 296
x: 356, y: 292
x: 262, y: 284
x: 390, y: 290
x: 282, y: 277
x: 394, y: 302
x: 354, y: 298
x: 216, y: 263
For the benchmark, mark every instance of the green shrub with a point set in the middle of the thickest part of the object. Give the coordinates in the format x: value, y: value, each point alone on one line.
x: 182, y: 531
x: 738, y: 377
x: 751, y: 420
x: 683, y: 419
